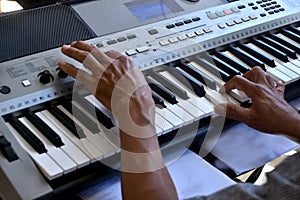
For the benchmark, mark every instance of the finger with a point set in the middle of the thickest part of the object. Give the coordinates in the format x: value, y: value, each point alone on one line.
x: 82, y: 46
x: 240, y: 83
x: 232, y: 111
x: 271, y: 81
x: 255, y: 74
x: 74, y: 53
x: 113, y: 54
x: 280, y: 87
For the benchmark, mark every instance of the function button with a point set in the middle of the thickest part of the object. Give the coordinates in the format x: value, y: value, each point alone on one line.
x: 152, y: 31
x: 170, y: 26
x: 235, y: 9
x: 246, y: 19
x: 26, y: 83
x: 264, y: 0
x: 221, y: 26
x: 142, y: 49
x: 230, y: 23
x: 268, y: 4
x: 131, y: 52
x: 196, y: 19
x: 132, y: 36
x: 227, y: 12
x: 251, y: 4
x: 173, y: 40
x: 164, y: 42
x: 182, y: 37
x: 273, y: 2
x: 276, y: 11
x: 241, y: 6
x: 110, y: 42
x: 200, y: 32
x: 263, y: 14
x: 179, y: 23
x: 254, y: 7
x: 187, y: 21
x: 263, y: 5
x: 212, y: 16
x: 207, y: 30
x: 238, y: 21
x: 277, y: 6
x: 99, y: 45
x: 122, y: 39
x: 220, y: 14
x: 282, y: 9
x: 191, y: 35
x: 259, y: 2
x: 253, y: 17
x: 267, y: 9
x: 271, y: 12
x: 4, y: 89
x: 272, y: 7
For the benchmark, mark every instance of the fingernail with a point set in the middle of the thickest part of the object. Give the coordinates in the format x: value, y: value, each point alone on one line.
x: 220, y: 109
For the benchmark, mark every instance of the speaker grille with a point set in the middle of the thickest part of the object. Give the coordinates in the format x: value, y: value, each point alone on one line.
x: 31, y: 31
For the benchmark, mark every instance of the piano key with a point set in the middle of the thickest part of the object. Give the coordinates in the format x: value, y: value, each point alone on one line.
x: 264, y: 58
x: 246, y: 58
x: 49, y: 168
x: 83, y: 144
x: 287, y: 71
x: 78, y: 156
x: 203, y: 78
x: 288, y: 39
x: 98, y: 146
x: 158, y: 100
x: 212, y: 69
x: 242, y: 68
x: 274, y: 52
x: 291, y: 35
x: 170, y: 117
x: 90, y: 108
x: 294, y: 30
x: 188, y: 81
x: 66, y: 121
x: 163, y: 92
x: 163, y: 124
x: 30, y: 138
x: 224, y: 66
x: 44, y: 129
x: 285, y: 42
x: 289, y: 52
x: 169, y: 85
x: 62, y: 160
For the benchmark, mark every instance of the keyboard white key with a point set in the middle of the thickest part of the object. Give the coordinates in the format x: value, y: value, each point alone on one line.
x: 163, y: 124
x: 170, y: 117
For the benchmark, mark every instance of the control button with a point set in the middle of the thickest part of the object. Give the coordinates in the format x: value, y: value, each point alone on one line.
x: 187, y: 21
x: 61, y: 73
x: 196, y: 19
x: 264, y: 0
x: 26, y: 83
x: 191, y: 35
x: 273, y: 2
x: 276, y: 11
x: 235, y: 9
x: 212, y: 16
x: 153, y: 31
x: 179, y: 23
x: 207, y: 30
x: 258, y: 2
x: 164, y: 42
x: 173, y: 40
x: 182, y: 37
x: 227, y: 12
x: 45, y: 77
x: 246, y: 19
x: 271, y: 12
x: 238, y: 21
x: 263, y: 5
x: 267, y: 9
x: 122, y: 39
x: 253, y: 17
x: 200, y: 32
x: 220, y: 14
x: 99, y: 45
x: 268, y: 4
x: 221, y: 26
x: 110, y: 42
x: 272, y: 7
x: 241, y: 6
x: 142, y: 49
x: 170, y: 26
x: 132, y: 36
x: 230, y: 23
x: 277, y: 6
x: 254, y: 7
x: 4, y: 89
x: 251, y: 4
x: 7, y: 150
x: 131, y: 52
x: 282, y: 9
x: 263, y: 15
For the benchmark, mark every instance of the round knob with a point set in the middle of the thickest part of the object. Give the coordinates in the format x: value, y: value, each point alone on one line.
x: 61, y: 73
x: 45, y: 77
x: 4, y: 89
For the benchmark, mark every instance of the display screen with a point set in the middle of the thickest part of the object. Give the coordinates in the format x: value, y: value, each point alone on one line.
x: 150, y: 10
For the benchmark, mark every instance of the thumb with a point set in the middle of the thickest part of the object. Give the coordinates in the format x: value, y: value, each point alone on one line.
x: 232, y: 111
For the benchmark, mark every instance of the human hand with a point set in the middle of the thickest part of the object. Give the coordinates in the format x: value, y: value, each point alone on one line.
x: 269, y: 111
x: 114, y: 81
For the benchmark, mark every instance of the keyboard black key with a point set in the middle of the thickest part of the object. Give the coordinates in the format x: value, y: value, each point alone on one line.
x: 53, y: 137
x: 7, y: 150
x: 291, y: 35
x: 188, y: 81
x: 169, y: 85
x: 246, y: 58
x: 294, y: 30
x: 203, y: 78
x: 66, y: 121
x: 80, y: 116
x: 90, y: 108
x: 158, y: 101
x: 163, y: 92
x: 289, y: 52
x: 262, y: 57
x: 224, y: 66
x: 271, y: 50
x: 242, y: 68
x: 32, y: 140
x: 284, y: 42
x: 213, y: 69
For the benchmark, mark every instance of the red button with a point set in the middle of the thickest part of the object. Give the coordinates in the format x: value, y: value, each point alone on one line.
x: 228, y: 12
